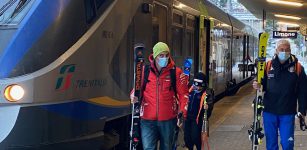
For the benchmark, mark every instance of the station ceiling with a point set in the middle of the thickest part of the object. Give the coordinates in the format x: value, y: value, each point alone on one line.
x: 256, y: 7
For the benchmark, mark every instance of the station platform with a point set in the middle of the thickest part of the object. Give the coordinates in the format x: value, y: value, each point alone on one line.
x: 231, y: 119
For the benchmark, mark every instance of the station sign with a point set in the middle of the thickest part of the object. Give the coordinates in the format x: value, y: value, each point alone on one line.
x: 284, y: 34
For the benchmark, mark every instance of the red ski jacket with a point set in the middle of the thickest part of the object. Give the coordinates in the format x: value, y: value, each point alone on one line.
x: 159, y: 101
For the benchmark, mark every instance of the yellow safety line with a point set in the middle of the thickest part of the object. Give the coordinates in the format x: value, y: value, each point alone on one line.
x: 105, y: 100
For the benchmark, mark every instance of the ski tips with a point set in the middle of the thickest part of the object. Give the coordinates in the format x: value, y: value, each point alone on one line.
x: 188, y: 60
x: 139, y: 45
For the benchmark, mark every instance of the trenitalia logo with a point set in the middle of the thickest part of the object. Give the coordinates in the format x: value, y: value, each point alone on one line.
x: 66, y: 72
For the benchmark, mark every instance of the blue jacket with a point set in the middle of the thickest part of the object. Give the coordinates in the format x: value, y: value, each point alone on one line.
x: 284, y: 88
x: 195, y: 104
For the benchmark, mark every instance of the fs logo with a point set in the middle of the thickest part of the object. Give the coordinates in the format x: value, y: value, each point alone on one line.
x: 66, y: 72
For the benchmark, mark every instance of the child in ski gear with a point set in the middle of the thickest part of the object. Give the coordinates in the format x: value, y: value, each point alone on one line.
x: 284, y: 88
x: 198, y: 93
x: 159, y: 103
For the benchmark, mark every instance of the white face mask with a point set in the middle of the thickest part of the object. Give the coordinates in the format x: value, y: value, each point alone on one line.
x: 163, y: 62
x: 283, y: 56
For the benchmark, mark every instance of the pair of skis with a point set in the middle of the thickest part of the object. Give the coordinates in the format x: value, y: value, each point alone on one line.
x: 187, y: 64
x: 205, y: 129
x: 256, y: 133
x: 135, y: 133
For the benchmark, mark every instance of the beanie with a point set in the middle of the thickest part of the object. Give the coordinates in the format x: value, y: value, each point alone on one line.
x: 199, y: 79
x: 159, y: 48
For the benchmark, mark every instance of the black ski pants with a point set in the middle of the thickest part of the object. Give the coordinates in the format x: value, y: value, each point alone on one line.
x: 192, y: 134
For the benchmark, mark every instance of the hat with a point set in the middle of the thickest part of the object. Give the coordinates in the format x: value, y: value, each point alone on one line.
x: 159, y: 48
x: 199, y: 79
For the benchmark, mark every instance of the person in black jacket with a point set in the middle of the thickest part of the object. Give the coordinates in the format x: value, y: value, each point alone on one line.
x: 193, y: 123
x: 284, y: 85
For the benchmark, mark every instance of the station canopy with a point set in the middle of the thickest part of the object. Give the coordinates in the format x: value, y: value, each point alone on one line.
x: 289, y: 12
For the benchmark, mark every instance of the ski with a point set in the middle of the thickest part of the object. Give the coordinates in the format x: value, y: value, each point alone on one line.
x: 135, y: 135
x: 205, y: 129
x: 256, y: 133
x: 187, y: 64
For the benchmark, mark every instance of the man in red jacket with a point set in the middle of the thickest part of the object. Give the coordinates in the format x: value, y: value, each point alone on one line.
x: 159, y: 104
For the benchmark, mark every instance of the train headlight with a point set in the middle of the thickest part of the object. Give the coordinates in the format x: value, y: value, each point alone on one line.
x: 14, y: 93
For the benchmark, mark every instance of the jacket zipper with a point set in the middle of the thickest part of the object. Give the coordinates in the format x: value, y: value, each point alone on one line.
x: 158, y: 85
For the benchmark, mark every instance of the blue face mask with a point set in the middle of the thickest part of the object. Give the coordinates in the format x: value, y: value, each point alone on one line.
x: 283, y: 56
x: 197, y: 89
x: 163, y: 62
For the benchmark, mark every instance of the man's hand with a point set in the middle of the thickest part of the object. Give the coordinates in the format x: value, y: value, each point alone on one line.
x: 184, y: 78
x: 180, y: 120
x: 133, y: 98
x: 206, y: 106
x: 256, y: 85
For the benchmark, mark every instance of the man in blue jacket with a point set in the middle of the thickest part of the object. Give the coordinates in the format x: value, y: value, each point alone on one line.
x: 284, y: 86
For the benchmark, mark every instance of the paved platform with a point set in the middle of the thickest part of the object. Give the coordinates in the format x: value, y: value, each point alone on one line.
x: 232, y: 117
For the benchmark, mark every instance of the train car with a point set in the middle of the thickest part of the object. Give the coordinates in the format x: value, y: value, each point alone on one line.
x: 66, y: 66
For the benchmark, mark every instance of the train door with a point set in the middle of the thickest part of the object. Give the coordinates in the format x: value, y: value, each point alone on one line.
x: 202, y: 52
x: 159, y: 23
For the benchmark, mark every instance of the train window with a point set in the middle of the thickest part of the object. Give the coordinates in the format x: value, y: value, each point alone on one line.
x: 12, y: 12
x: 177, y: 34
x: 159, y: 21
x: 190, y: 22
x: 220, y: 54
x: 155, y: 34
x: 189, y: 43
x: 90, y: 10
x: 177, y: 18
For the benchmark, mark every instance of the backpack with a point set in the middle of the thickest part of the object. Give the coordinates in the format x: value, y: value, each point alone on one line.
x: 172, y: 74
x: 297, y: 66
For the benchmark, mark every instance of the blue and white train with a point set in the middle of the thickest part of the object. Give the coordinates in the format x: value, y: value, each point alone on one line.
x: 66, y: 66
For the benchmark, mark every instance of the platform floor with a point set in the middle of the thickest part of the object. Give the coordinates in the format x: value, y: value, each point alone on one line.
x: 231, y: 119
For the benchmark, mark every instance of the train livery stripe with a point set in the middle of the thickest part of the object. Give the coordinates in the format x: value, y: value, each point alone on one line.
x: 42, y: 14
x: 83, y: 110
x: 107, y: 101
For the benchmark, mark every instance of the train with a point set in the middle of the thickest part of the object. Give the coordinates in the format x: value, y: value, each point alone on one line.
x: 66, y: 66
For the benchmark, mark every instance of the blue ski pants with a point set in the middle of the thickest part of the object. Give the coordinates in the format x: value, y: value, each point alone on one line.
x: 285, y: 124
x: 152, y: 131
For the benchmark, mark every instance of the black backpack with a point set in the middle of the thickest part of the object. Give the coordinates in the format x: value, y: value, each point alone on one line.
x: 172, y: 74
